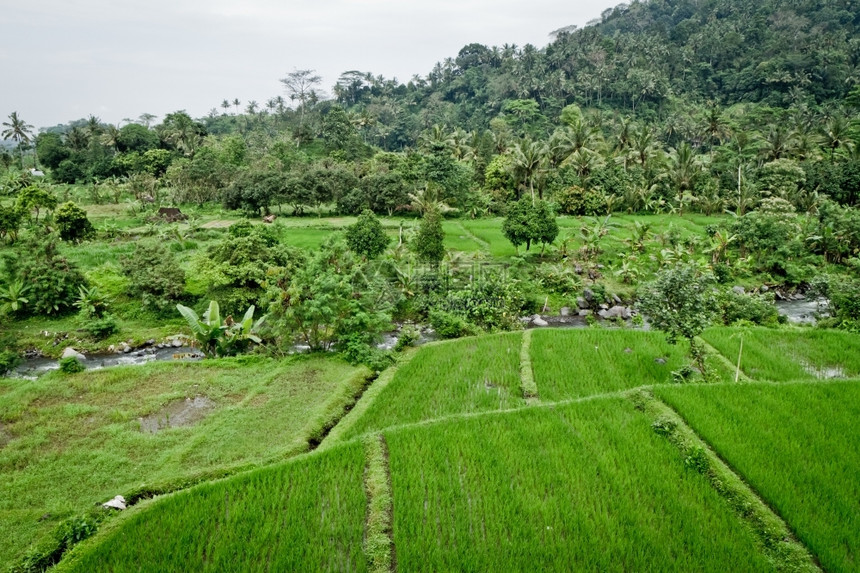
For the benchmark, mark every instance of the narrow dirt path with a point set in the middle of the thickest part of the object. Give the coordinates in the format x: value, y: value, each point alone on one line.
x: 485, y: 246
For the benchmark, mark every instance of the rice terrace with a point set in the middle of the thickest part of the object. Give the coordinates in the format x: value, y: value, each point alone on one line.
x: 592, y: 305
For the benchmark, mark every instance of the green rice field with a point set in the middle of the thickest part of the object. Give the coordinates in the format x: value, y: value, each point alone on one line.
x: 782, y: 355
x: 582, y: 487
x: 69, y: 442
x: 307, y: 515
x: 583, y: 362
x: 475, y: 374
x: 798, y: 446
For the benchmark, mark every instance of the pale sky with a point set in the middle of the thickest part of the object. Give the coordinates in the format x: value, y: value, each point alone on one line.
x: 66, y: 59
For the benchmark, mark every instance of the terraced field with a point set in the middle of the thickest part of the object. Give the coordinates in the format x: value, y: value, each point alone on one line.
x: 613, y: 467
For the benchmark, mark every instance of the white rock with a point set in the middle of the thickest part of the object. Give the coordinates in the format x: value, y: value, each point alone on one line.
x: 70, y: 352
x: 116, y: 503
x: 540, y: 322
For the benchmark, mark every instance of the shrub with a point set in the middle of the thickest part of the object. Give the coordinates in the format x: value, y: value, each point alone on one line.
x: 73, y: 224
x: 366, y: 236
x: 428, y: 243
x: 155, y: 276
x: 101, y: 328
x: 757, y: 309
x: 71, y: 365
x: 575, y: 200
x: 54, y: 282
x: 8, y: 361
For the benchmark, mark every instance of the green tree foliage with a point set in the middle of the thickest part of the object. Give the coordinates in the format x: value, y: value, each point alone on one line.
x: 366, y: 236
x: 11, y: 217
x: 681, y: 303
x: 527, y: 222
x: 154, y: 276
x: 255, y: 191
x: 428, y: 243
x: 331, y: 301
x: 136, y: 138
x: 51, y: 149
x: 73, y: 224
x: 34, y: 198
x: 53, y: 280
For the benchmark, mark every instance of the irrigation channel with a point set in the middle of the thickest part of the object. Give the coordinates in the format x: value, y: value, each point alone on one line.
x: 803, y: 311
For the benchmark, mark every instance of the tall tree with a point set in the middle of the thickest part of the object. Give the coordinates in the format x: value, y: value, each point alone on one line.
x: 301, y: 86
x: 18, y: 131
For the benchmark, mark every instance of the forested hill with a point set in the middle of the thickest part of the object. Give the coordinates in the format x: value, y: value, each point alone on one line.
x: 644, y: 58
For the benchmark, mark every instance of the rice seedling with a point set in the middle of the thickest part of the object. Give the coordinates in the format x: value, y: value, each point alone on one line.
x: 305, y: 515
x: 582, y: 487
x: 797, y: 446
x: 782, y: 355
x: 582, y: 362
x: 466, y: 375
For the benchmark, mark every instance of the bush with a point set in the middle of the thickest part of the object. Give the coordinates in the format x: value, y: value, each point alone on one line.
x: 366, y: 236
x: 757, y: 309
x: 73, y: 224
x: 100, y: 328
x: 155, y: 276
x: 54, y: 282
x: 8, y: 361
x: 575, y: 200
x: 71, y: 365
x: 450, y: 325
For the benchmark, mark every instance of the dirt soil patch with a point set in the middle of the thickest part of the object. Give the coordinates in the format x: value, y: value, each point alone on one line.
x: 176, y: 414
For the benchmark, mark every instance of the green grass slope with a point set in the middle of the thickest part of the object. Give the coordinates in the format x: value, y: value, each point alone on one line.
x: 69, y: 442
x: 798, y: 445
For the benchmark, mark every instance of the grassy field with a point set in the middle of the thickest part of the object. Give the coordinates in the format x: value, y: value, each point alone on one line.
x: 797, y: 445
x: 306, y: 515
x: 73, y: 441
x: 782, y: 355
x: 583, y: 487
x: 467, y: 375
x: 582, y: 362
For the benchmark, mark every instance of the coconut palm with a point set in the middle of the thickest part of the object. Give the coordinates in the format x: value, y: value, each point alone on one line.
x: 18, y: 131
x: 529, y: 160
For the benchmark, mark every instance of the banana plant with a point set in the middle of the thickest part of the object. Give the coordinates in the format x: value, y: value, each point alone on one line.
x: 218, y: 337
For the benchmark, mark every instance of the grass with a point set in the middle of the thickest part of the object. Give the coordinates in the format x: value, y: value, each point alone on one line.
x: 467, y: 375
x: 796, y: 444
x: 77, y: 440
x: 584, y: 487
x: 783, y: 355
x: 377, y: 544
x: 582, y: 362
x: 306, y: 515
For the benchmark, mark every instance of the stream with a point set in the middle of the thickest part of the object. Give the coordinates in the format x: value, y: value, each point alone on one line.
x: 801, y: 311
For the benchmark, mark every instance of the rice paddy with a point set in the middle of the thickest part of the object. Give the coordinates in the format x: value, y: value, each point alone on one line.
x: 798, y: 446
x: 506, y: 452
x: 583, y: 362
x: 782, y: 355
x: 307, y: 515
x: 583, y: 487
x: 475, y: 374
x: 74, y: 441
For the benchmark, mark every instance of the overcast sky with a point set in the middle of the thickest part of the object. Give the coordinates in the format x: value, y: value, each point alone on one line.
x: 66, y: 59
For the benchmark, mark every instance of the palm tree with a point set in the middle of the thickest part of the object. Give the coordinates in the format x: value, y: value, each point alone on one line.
x: 19, y: 131
x: 529, y: 160
x: 834, y: 134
